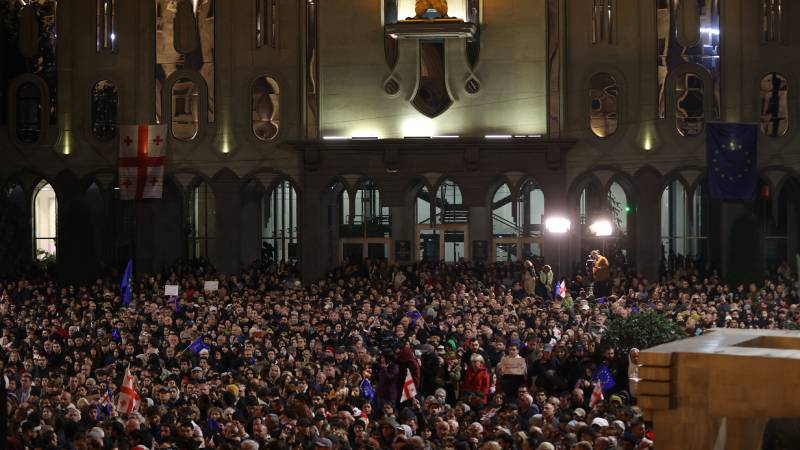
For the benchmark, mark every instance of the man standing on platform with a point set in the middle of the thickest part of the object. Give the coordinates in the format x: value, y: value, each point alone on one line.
x: 601, y: 274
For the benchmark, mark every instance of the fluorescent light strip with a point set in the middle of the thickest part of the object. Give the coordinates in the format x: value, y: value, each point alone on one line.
x: 333, y: 138
x: 498, y: 136
x: 446, y: 137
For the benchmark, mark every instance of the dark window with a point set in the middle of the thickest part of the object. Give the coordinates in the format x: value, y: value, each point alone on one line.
x: 29, y: 113
x: 104, y: 110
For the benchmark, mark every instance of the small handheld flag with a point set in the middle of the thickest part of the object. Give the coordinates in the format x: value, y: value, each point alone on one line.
x: 597, y: 395
x: 366, y: 390
x: 198, y: 346
x: 125, y: 287
x: 602, y: 376
x: 104, y: 406
x: 409, y: 389
x: 129, y: 400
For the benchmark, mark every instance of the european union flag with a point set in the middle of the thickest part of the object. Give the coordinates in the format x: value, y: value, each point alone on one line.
x: 125, y: 287
x: 214, y: 426
x: 603, y: 375
x: 731, y: 159
x: 366, y: 390
x: 198, y: 345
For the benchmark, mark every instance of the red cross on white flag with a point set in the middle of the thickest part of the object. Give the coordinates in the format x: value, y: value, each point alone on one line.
x: 128, y: 400
x: 409, y: 389
x: 142, y: 151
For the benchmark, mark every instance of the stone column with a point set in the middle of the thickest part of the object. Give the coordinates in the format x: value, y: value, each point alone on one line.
x: 227, y: 192
x: 648, y: 186
x: 314, y: 239
x: 480, y: 229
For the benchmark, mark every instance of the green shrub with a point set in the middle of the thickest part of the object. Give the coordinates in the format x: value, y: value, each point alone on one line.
x: 643, y: 330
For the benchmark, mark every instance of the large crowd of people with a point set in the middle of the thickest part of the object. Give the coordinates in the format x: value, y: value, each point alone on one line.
x: 374, y: 356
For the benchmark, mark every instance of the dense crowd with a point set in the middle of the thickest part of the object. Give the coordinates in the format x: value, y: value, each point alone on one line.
x: 375, y: 356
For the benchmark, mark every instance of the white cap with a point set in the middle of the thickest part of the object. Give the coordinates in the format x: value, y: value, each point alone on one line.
x: 600, y: 422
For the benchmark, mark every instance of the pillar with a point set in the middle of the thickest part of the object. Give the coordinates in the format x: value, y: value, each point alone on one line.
x: 228, y: 194
x: 648, y: 185
x: 314, y: 238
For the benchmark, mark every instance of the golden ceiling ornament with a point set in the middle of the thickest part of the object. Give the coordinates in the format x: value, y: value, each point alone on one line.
x: 422, y: 7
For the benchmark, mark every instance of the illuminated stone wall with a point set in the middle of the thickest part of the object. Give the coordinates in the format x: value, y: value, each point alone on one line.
x: 511, y: 71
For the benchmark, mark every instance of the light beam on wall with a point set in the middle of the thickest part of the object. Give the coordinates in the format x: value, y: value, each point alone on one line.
x: 418, y: 127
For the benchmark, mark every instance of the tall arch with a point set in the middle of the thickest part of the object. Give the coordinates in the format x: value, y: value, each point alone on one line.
x: 365, y: 224
x: 202, y: 222
x: 280, y: 224
x: 442, y: 223
x: 684, y: 225
x: 45, y: 222
x: 517, y: 217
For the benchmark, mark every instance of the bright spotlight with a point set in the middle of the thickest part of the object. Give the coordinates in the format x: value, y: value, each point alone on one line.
x: 558, y: 225
x: 601, y: 227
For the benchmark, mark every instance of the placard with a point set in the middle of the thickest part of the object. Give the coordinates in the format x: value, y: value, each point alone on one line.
x: 171, y: 290
x: 211, y: 286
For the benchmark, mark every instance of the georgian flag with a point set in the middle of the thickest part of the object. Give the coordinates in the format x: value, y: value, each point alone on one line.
x: 128, y: 400
x: 561, y: 289
x: 597, y: 395
x: 142, y: 150
x: 409, y: 389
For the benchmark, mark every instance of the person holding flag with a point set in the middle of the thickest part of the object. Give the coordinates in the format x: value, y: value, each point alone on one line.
x: 105, y: 405
x: 198, y: 346
x: 125, y: 286
x: 560, y: 290
x: 409, y: 388
x: 129, y: 399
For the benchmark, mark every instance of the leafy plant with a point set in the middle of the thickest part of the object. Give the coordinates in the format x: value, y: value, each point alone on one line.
x: 642, y: 331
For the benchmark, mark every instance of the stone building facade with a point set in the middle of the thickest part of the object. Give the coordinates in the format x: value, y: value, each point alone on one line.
x: 320, y: 130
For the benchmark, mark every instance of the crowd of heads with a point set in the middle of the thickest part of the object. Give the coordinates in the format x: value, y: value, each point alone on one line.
x: 374, y: 356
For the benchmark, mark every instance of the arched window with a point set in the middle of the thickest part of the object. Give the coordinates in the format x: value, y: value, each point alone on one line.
x: 185, y: 109
x: 106, y: 25
x: 449, y: 203
x: 366, y: 224
x: 442, y: 224
x: 266, y: 108
x: 689, y: 108
x: 698, y: 224
x: 591, y: 203
x: 772, y: 13
x: 266, y: 22
x: 279, y: 233
x: 202, y: 222
x: 504, y: 221
x: 774, y: 105
x: 603, y: 104
x: 368, y: 206
x: 45, y: 212
x: 674, y: 223
x: 618, y: 206
x: 29, y: 113
x: 185, y: 39
x: 603, y: 21
x: 104, y: 110
x: 423, y: 206
x: 517, y: 225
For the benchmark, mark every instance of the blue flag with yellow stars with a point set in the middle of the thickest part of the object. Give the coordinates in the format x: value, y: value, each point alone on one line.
x: 731, y: 159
